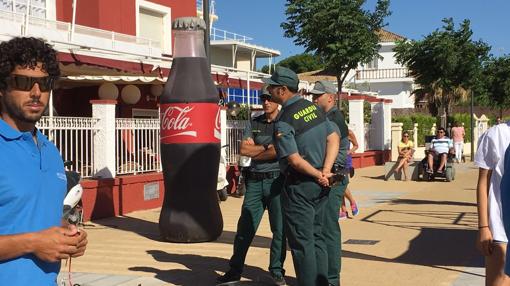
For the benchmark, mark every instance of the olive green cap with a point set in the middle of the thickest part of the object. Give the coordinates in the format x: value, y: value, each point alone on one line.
x: 284, y: 77
x: 323, y: 86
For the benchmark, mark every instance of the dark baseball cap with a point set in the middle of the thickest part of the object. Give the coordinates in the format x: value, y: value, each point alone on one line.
x: 323, y: 86
x: 283, y: 76
x: 264, y: 91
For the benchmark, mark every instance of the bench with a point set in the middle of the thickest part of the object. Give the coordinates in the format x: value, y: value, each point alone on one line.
x: 390, y: 174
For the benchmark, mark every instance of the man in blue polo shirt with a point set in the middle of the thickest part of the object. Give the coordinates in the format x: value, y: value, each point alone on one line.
x: 32, y: 179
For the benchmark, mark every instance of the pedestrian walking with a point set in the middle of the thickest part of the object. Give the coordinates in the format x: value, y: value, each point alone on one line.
x: 33, y: 239
x: 492, y: 239
x: 458, y: 134
x: 307, y: 146
x: 323, y: 94
x: 263, y: 188
x: 348, y: 194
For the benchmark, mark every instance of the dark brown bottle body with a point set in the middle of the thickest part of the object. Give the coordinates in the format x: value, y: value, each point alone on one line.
x: 190, y: 153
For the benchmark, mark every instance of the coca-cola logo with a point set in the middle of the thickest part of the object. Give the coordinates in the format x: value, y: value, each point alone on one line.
x: 217, y: 125
x: 193, y: 122
x: 176, y: 119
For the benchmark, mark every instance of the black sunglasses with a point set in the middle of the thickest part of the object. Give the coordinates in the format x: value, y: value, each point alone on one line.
x: 26, y: 83
x: 265, y: 97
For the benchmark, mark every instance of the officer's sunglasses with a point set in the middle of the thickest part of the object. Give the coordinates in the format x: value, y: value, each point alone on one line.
x: 26, y: 83
x: 265, y: 97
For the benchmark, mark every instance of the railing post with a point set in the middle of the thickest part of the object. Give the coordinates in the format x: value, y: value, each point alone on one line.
x: 415, y: 135
x: 104, y: 139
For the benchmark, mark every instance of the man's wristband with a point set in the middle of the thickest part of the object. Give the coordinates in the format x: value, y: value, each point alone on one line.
x: 483, y: 226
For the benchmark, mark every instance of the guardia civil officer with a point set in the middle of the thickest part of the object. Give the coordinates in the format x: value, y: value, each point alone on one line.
x: 323, y: 94
x: 263, y: 187
x: 306, y: 146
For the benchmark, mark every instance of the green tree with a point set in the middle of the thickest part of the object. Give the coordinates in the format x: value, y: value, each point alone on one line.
x: 496, y: 76
x: 265, y: 68
x: 299, y: 63
x: 446, y: 65
x: 340, y: 32
x: 302, y: 63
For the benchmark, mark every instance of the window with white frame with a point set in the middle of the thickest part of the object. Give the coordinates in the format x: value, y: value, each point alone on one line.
x: 153, y: 21
x: 38, y: 8
x: 373, y: 64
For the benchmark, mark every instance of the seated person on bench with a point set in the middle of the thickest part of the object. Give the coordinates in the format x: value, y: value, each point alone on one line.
x: 405, y: 155
x: 439, y: 147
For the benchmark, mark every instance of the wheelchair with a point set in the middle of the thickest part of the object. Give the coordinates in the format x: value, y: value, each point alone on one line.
x: 448, y: 173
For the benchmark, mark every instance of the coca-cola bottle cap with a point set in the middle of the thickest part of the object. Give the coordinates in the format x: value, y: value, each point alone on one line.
x: 188, y: 23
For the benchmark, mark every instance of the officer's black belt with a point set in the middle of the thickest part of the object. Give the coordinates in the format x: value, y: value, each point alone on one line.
x: 262, y: 175
x: 294, y: 177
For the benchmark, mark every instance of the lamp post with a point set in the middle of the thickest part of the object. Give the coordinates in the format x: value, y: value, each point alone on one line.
x: 207, y: 40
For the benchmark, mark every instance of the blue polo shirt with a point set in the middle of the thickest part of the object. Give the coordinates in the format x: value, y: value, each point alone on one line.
x: 32, y: 190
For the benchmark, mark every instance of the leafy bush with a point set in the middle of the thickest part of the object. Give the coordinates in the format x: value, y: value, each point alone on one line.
x: 425, y: 123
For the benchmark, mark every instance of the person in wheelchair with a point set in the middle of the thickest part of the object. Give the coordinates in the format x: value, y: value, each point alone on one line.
x: 440, y: 147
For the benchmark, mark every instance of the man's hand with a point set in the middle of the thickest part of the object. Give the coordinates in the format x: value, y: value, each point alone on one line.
x: 323, y: 180
x: 56, y: 243
x: 249, y: 141
x: 82, y: 243
x: 484, y: 241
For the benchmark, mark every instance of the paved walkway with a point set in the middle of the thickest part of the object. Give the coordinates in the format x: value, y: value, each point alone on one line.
x: 407, y: 233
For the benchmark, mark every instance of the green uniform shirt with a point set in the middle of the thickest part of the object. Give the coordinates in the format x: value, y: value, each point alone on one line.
x: 334, y: 115
x: 261, y: 131
x: 301, y: 127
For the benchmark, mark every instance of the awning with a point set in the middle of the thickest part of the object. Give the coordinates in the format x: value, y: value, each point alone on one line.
x: 115, y: 79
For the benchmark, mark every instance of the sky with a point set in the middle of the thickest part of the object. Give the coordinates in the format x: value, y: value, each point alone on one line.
x: 413, y: 19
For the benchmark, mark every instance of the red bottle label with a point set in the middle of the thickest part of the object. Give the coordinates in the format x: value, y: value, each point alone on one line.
x: 190, y: 123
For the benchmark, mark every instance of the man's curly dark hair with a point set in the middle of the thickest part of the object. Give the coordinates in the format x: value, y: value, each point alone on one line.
x: 26, y: 52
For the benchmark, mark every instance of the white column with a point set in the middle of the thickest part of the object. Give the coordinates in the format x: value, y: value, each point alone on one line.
x: 104, y: 138
x: 396, y: 135
x: 377, y: 132
x: 387, y: 125
x: 356, y: 122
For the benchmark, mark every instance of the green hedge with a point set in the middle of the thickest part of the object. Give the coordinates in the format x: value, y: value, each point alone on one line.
x: 425, y: 123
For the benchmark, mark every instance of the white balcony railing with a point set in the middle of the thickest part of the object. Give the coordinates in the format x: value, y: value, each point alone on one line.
x: 222, y: 35
x: 137, y: 145
x: 74, y: 137
x: 375, y: 74
x: 15, y: 24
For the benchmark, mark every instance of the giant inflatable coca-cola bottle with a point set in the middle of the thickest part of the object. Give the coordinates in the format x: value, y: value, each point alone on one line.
x: 190, y: 141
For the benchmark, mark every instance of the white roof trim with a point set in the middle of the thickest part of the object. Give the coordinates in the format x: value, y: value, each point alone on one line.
x: 117, y: 79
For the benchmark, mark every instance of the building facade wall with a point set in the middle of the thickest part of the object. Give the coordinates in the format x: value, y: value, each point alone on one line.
x: 116, y: 15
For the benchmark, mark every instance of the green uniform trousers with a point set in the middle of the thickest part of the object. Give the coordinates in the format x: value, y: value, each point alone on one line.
x: 333, y: 233
x: 303, y: 208
x: 260, y: 194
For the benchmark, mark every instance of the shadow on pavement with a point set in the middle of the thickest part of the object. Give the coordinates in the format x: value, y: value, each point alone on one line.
x: 202, y: 270
x: 381, y: 177
x: 150, y: 230
x: 449, y: 241
x: 428, y: 202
